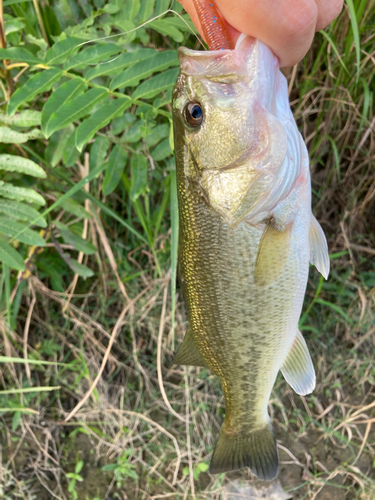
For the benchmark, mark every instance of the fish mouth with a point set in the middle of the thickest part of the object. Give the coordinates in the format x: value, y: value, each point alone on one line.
x: 220, y: 66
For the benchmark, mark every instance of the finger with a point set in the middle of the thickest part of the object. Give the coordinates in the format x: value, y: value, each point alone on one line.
x: 328, y: 10
x: 286, y: 26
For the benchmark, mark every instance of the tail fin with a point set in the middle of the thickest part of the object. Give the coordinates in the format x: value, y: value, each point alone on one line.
x: 256, y: 450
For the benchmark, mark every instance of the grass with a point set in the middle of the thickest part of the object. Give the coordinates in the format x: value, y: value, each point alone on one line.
x: 116, y: 419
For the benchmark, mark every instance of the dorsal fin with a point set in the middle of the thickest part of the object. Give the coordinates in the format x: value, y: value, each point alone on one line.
x: 319, y: 255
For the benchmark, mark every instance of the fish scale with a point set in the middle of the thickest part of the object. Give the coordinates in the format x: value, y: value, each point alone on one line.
x: 239, y: 320
x: 245, y: 240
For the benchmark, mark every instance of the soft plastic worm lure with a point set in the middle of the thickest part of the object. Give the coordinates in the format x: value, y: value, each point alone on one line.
x: 213, y: 25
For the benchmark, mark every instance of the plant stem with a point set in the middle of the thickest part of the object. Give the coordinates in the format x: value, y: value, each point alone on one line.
x: 40, y: 21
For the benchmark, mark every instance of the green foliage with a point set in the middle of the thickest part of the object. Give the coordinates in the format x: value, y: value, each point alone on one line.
x: 122, y: 469
x: 198, y: 469
x: 101, y: 101
x: 73, y: 478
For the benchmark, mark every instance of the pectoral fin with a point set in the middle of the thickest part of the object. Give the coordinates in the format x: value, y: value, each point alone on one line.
x: 272, y: 255
x: 188, y: 353
x: 319, y: 256
x: 298, y: 369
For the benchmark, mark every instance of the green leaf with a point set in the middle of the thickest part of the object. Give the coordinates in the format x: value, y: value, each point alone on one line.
x: 125, y: 26
x: 184, y: 24
x: 146, y: 10
x: 92, y: 55
x: 167, y: 29
x: 20, y: 211
x: 26, y: 119
x: 79, y: 466
x: 366, y: 104
x: 12, y: 25
x: 134, y: 133
x: 110, y: 8
x: 12, y: 163
x: 76, y: 109
x: 98, y: 152
x: 40, y: 42
x: 41, y: 82
x: 100, y: 119
x: 9, y: 136
x: 162, y: 151
x: 161, y: 6
x: 121, y: 62
x: 115, y: 166
x: 11, y: 2
x: 110, y: 467
x: 57, y: 145
x: 66, y: 92
x: 73, y: 207
x: 120, y: 124
x: 131, y: 9
x: 8, y: 359
x: 60, y: 51
x: 157, y: 84
x: 28, y: 236
x: 203, y: 467
x: 73, y: 239
x: 10, y: 256
x: 354, y: 23
x: 104, y: 208
x: 160, y: 132
x: 139, y: 170
x: 78, y: 268
x: 18, y: 193
x: 77, y: 186
x: 16, y: 420
x: 71, y: 153
x: 19, y: 54
x: 335, y: 308
x: 145, y: 68
x: 335, y: 50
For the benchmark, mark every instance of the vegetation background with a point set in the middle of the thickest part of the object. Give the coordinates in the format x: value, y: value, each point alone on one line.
x: 90, y: 405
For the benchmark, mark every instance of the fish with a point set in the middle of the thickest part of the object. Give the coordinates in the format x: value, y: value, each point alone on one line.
x: 246, y: 237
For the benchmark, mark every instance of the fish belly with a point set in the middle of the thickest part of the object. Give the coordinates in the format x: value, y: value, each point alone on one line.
x: 243, y: 330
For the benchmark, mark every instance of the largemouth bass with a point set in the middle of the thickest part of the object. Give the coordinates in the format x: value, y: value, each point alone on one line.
x: 247, y: 235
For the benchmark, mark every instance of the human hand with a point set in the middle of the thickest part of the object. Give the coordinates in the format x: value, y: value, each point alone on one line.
x: 286, y: 26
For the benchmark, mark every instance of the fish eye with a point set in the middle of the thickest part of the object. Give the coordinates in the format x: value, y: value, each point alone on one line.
x: 194, y: 114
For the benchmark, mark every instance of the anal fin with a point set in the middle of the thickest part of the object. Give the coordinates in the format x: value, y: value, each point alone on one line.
x: 272, y: 255
x: 319, y: 255
x: 298, y: 369
x: 188, y: 353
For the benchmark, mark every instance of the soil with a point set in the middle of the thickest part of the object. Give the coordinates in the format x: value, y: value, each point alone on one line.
x: 291, y: 476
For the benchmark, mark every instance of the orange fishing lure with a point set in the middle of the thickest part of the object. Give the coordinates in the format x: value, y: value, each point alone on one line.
x: 213, y: 25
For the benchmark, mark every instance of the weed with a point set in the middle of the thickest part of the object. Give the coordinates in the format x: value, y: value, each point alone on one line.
x: 73, y: 478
